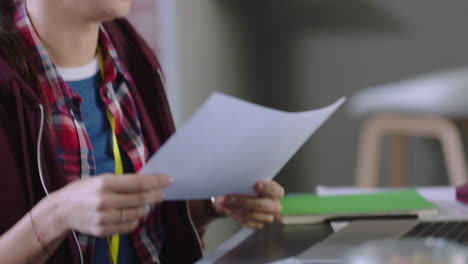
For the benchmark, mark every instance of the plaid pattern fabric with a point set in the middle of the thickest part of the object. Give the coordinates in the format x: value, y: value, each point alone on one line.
x: 67, y: 126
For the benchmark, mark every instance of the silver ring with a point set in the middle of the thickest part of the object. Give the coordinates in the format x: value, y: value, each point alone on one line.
x: 122, y: 215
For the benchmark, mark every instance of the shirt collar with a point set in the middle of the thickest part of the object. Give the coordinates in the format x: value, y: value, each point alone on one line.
x: 111, y: 62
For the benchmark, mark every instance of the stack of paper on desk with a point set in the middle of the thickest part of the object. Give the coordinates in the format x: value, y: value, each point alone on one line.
x: 310, y: 208
x: 442, y: 196
x: 229, y: 144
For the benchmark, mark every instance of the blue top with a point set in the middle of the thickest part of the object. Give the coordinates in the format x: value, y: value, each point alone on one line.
x: 100, y: 134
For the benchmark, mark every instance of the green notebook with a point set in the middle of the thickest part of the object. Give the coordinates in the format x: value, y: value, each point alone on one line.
x: 310, y: 208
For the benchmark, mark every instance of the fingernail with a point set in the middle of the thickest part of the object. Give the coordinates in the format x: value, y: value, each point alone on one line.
x: 169, y: 179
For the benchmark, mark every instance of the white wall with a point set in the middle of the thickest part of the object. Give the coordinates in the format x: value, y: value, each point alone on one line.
x: 206, y: 47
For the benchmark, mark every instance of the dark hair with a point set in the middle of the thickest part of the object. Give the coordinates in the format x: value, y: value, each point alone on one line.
x: 13, y: 50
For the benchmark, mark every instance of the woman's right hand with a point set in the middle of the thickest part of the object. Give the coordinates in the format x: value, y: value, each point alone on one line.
x: 108, y: 204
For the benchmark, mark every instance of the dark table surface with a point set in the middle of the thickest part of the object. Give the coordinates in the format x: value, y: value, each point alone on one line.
x: 276, y: 242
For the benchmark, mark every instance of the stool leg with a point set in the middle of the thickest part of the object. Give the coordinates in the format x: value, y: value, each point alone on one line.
x: 452, y: 147
x: 399, y: 160
x: 369, y: 149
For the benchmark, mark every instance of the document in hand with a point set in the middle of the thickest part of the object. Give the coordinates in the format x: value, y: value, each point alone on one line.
x: 310, y: 208
x: 230, y: 144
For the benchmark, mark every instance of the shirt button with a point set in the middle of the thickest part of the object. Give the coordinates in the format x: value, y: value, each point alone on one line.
x: 109, y: 95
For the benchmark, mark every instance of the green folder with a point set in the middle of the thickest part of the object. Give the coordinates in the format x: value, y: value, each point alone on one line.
x: 310, y: 208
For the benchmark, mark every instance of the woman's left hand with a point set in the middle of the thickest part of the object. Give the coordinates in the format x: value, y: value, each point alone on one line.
x: 253, y: 211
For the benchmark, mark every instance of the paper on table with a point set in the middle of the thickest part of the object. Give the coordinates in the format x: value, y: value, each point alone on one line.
x: 230, y: 144
x: 442, y: 196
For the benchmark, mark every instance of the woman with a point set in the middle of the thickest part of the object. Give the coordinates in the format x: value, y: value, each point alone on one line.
x: 81, y: 100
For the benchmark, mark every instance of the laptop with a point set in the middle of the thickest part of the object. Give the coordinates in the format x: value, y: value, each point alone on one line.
x: 332, y: 249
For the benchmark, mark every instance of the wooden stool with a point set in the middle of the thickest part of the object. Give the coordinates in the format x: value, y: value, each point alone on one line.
x: 394, y: 110
x: 399, y: 127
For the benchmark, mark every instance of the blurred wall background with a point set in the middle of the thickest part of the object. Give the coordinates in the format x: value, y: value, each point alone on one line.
x: 301, y: 54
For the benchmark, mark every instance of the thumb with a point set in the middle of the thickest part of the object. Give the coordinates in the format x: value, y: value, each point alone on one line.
x: 220, y: 205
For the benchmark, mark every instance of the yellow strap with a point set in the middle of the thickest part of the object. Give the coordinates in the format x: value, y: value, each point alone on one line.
x: 113, y: 243
x: 115, y: 146
x: 114, y: 240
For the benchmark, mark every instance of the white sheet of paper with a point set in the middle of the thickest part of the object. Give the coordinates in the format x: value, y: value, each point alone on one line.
x: 230, y: 144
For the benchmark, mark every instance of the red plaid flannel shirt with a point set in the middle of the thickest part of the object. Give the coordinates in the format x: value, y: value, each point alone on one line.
x: 73, y: 144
